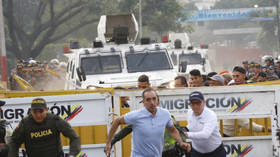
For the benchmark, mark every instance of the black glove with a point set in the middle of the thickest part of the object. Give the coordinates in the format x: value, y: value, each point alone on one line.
x: 181, y: 151
x: 121, y: 134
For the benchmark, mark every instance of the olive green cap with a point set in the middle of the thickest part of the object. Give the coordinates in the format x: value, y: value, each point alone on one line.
x: 38, y: 103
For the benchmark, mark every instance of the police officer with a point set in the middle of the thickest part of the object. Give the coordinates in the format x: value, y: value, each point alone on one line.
x: 40, y: 132
x: 3, y: 146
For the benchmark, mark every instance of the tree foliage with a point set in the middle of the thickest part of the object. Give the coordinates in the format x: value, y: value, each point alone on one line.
x: 33, y: 24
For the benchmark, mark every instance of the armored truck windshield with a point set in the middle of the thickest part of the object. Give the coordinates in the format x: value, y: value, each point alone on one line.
x: 147, y: 61
x: 190, y: 58
x: 101, y: 64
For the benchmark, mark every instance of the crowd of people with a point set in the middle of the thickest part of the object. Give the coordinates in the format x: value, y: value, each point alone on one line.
x: 247, y: 73
x: 36, y: 73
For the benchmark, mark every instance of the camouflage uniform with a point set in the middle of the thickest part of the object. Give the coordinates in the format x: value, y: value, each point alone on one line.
x: 3, y: 146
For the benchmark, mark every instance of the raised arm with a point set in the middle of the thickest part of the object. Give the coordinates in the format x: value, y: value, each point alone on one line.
x: 113, y: 129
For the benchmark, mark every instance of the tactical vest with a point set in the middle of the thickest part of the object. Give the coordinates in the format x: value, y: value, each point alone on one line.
x: 42, y: 140
x: 168, y: 140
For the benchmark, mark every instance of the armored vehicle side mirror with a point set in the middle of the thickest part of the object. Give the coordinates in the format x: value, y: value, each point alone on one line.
x: 81, y: 74
x: 203, y: 61
x: 183, y: 67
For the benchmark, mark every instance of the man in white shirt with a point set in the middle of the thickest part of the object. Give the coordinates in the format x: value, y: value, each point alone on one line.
x: 203, y: 129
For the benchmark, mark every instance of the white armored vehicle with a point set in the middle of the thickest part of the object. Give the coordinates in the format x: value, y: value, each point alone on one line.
x: 115, y: 60
x: 186, y: 57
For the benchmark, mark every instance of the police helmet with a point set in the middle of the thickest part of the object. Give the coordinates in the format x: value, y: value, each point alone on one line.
x: 62, y: 65
x: 265, y: 58
x: 54, y: 61
x: 269, y: 58
x: 32, y: 62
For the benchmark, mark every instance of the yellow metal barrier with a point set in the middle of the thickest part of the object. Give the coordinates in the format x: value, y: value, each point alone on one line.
x: 221, y: 128
x: 266, y: 83
x: 52, y: 72
x: 89, y: 135
x: 126, y: 142
x: 262, y: 121
x: 244, y: 132
x: 23, y: 84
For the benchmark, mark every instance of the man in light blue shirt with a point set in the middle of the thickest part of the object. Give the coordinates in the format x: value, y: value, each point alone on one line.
x: 203, y: 129
x: 148, y: 125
